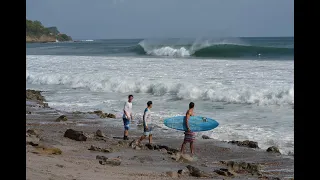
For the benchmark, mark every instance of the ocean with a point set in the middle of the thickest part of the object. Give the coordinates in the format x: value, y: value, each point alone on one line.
x: 246, y: 84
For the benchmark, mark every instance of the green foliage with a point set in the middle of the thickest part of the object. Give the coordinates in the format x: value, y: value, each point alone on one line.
x: 53, y: 30
x: 36, y: 29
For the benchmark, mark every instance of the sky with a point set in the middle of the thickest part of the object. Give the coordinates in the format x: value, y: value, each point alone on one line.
x: 112, y: 19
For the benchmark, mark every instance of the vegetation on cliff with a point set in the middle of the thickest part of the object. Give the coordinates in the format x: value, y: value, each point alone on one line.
x: 35, y: 30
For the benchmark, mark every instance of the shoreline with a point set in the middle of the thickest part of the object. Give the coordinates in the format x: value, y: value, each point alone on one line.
x: 215, y: 159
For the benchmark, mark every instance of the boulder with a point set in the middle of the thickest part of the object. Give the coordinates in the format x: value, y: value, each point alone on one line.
x: 224, y: 172
x: 273, y: 149
x: 75, y: 135
x: 94, y: 148
x: 111, y: 116
x: 34, y: 95
x: 196, y: 172
x: 246, y: 143
x: 205, y: 137
x: 62, y: 118
x: 184, y: 171
x: 99, y: 133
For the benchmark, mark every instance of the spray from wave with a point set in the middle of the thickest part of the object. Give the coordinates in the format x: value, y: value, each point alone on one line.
x: 179, y: 91
x: 223, y: 47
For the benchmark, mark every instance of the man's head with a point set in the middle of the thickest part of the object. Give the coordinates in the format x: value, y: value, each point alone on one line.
x: 191, y: 105
x: 149, y: 103
x: 130, y: 98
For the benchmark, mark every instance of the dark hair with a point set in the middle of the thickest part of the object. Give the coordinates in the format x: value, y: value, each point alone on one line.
x: 130, y: 96
x: 191, y: 105
x: 149, y: 103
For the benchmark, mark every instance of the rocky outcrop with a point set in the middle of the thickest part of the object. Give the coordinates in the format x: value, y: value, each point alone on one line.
x: 34, y: 95
x: 62, y: 118
x: 102, y: 114
x: 94, y: 148
x: 110, y: 161
x: 246, y: 143
x: 273, y: 149
x: 41, y: 39
x: 194, y: 171
x: 240, y: 167
x: 75, y: 135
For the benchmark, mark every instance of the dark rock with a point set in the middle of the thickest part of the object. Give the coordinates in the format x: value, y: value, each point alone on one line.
x: 94, y: 148
x: 62, y: 118
x: 45, y: 105
x: 273, y: 149
x: 243, y: 166
x: 75, y: 135
x: 111, y: 116
x: 224, y: 172
x: 149, y: 146
x: 99, y: 133
x: 28, y: 112
x: 205, y: 137
x: 34, y: 95
x: 246, y: 143
x: 172, y: 174
x: 112, y: 161
x: 60, y: 166
x: 33, y: 132
x: 196, y: 172
x: 101, y: 158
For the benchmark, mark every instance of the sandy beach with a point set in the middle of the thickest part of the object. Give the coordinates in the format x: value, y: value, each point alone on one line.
x: 84, y: 154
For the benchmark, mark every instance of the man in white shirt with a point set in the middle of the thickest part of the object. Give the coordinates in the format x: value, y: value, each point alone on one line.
x: 127, y: 116
x: 147, y: 127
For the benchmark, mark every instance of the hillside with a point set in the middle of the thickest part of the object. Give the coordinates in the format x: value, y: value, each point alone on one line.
x: 36, y: 32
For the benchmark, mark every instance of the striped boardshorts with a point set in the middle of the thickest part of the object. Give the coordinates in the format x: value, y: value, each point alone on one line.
x: 189, y: 136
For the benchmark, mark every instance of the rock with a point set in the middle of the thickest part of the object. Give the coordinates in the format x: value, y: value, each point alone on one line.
x: 28, y: 112
x: 99, y: 133
x: 111, y: 116
x: 62, y: 118
x: 246, y: 143
x: 94, y: 148
x: 75, y: 135
x: 273, y: 149
x: 172, y: 174
x: 149, y: 146
x: 32, y: 140
x: 184, y: 171
x: 196, y: 172
x: 45, y: 105
x: 47, y: 150
x: 240, y: 166
x: 60, y: 166
x: 101, y: 158
x: 112, y: 161
x: 224, y: 172
x: 205, y: 137
x: 34, y: 95
x: 32, y: 132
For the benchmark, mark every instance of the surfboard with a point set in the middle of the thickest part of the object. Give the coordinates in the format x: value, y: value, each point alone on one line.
x: 196, y: 123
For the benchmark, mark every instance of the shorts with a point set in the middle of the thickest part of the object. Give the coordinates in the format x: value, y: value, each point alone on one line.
x: 189, y: 136
x: 147, y: 132
x: 126, y: 123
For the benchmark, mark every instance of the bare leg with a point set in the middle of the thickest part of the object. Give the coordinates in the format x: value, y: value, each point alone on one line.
x: 150, y: 138
x: 182, y: 147
x: 141, y: 138
x: 191, y: 148
x: 126, y: 132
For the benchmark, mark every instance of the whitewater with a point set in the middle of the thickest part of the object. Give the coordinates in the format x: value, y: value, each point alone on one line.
x: 250, y: 99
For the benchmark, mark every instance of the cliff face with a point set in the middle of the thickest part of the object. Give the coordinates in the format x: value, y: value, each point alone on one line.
x: 41, y: 39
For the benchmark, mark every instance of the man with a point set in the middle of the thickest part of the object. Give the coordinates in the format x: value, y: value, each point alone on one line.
x: 127, y: 116
x: 188, y: 134
x: 147, y: 128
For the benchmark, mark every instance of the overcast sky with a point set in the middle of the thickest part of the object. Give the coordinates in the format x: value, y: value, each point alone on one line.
x: 102, y: 19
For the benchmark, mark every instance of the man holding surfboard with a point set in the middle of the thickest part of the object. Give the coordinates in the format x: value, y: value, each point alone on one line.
x: 188, y: 134
x: 127, y: 116
x: 147, y: 128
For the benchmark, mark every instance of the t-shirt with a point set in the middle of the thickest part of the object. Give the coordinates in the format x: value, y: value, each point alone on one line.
x: 128, y: 109
x: 147, y: 117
